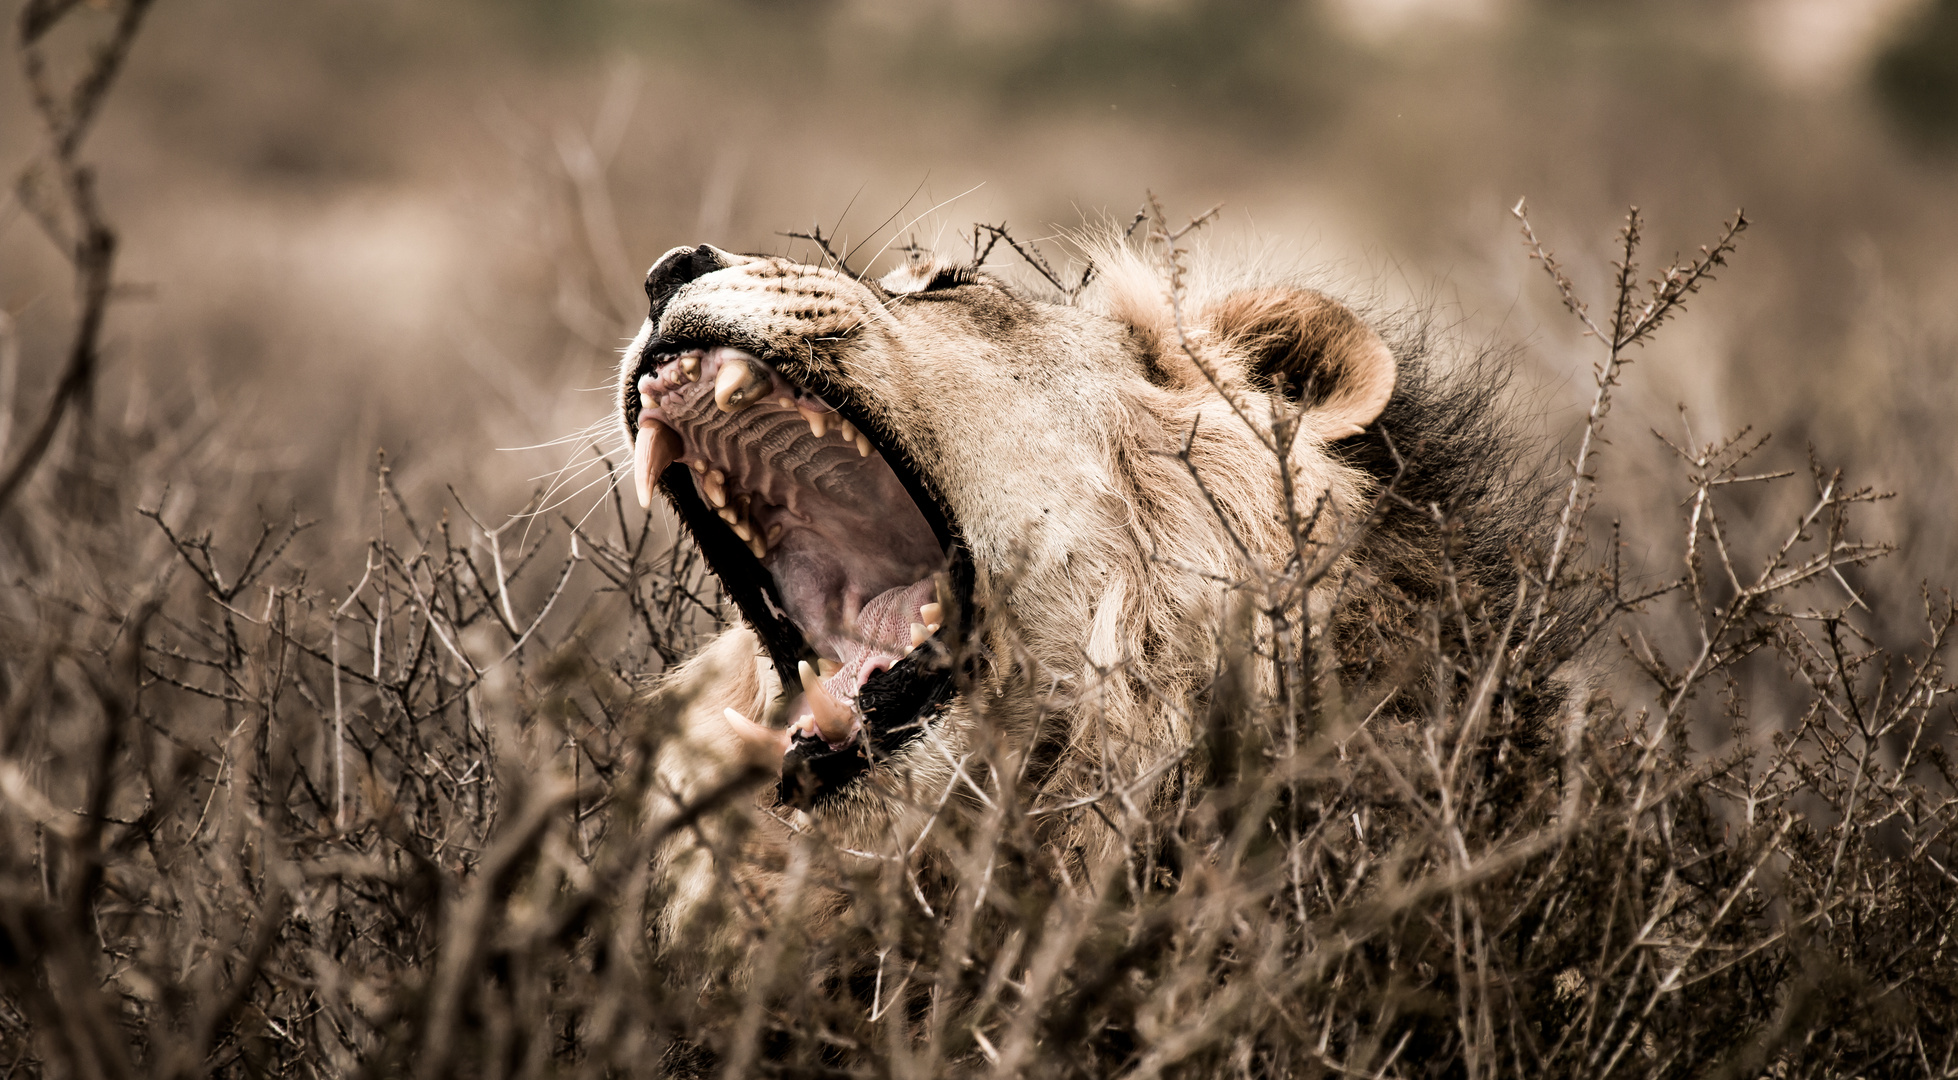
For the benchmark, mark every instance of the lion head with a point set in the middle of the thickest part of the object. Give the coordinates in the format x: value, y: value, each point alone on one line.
x: 939, y: 502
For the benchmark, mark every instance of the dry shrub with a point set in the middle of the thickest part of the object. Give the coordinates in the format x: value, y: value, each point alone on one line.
x: 255, y: 823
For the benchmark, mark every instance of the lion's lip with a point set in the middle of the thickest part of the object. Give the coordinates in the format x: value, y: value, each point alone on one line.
x: 854, y: 561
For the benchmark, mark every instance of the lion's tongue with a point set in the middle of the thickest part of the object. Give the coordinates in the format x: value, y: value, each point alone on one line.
x: 883, y: 636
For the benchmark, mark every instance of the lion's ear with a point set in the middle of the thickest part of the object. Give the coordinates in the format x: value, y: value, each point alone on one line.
x: 1313, y: 350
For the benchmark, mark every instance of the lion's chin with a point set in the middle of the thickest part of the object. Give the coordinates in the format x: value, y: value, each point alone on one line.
x: 853, y: 584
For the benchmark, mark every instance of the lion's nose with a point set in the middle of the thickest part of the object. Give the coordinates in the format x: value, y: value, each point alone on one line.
x: 679, y: 266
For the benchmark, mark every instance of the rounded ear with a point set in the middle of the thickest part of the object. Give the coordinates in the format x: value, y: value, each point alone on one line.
x: 1313, y: 350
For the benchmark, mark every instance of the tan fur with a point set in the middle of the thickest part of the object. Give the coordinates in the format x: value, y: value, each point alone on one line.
x: 1052, y: 434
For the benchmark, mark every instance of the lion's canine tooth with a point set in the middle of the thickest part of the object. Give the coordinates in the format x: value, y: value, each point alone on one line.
x: 763, y: 745
x: 653, y: 449
x: 863, y: 445
x: 835, y: 721
x: 731, y: 385
x: 918, y: 634
x: 818, y: 423
x: 932, y: 614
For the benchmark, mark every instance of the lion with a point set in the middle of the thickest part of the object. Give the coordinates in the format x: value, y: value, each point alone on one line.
x: 947, y: 510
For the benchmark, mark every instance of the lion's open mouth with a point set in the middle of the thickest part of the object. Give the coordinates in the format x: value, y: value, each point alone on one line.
x: 822, y: 543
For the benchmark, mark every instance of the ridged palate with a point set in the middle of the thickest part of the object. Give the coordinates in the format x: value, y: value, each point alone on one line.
x: 816, y: 504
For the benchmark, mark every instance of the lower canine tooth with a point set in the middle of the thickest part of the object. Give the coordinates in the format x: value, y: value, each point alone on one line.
x: 764, y: 745
x: 835, y: 721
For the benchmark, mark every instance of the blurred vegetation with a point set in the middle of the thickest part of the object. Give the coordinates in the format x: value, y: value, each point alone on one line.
x: 1917, y: 75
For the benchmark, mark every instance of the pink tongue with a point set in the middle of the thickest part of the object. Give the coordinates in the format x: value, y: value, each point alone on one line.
x: 883, y: 636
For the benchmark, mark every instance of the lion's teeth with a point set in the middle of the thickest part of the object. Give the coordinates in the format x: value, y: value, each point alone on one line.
x: 931, y: 628
x: 713, y: 484
x: 845, y: 432
x: 653, y: 449
x: 785, y: 402
x: 758, y: 546
x: 835, y: 721
x: 731, y: 385
x: 774, y: 534
x: 918, y: 634
x: 742, y: 530
x: 863, y: 445
x: 643, y: 448
x: 690, y: 363
x: 818, y: 423
x: 932, y: 613
x: 764, y: 745
x: 728, y: 515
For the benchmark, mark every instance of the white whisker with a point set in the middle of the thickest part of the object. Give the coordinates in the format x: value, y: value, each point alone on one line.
x: 887, y: 244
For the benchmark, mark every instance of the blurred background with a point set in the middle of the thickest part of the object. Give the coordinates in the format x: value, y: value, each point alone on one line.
x: 357, y: 224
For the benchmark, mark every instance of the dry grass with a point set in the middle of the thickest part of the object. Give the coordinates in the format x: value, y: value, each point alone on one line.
x: 256, y: 821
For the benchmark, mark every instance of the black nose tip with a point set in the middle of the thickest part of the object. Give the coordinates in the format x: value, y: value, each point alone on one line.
x: 676, y: 268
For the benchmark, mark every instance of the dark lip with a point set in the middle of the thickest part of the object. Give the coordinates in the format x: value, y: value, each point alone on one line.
x: 898, y: 704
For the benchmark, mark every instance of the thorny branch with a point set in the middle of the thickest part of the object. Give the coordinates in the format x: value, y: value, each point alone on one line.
x: 1633, y: 321
x: 66, y: 113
